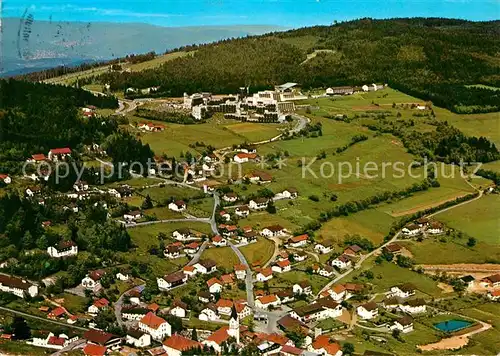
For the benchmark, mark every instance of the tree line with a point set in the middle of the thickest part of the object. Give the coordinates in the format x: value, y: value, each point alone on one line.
x: 433, y: 59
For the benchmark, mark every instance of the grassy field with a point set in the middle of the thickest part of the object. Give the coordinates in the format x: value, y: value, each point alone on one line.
x: 478, y: 125
x: 487, y: 342
x: 492, y: 166
x: 457, y: 251
x: 72, y: 77
x: 261, y: 251
x: 224, y: 256
x: 217, y: 132
x: 201, y: 208
x: 170, y: 192
x: 388, y: 274
x: 372, y: 224
x: 73, y: 303
x: 145, y: 236
x: 479, y: 219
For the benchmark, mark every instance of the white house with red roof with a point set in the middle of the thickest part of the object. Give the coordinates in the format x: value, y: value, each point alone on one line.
x: 241, y: 271
x: 323, y: 346
x: 57, y: 154
x: 98, y: 306
x: 63, y: 249
x: 298, y: 241
x: 176, y: 344
x: 282, y: 266
x: 266, y: 301
x: 264, y: 274
x: 214, y: 285
x: 224, y: 306
x: 219, y: 241
x: 178, y: 205
x: 155, y: 326
x: 5, y: 178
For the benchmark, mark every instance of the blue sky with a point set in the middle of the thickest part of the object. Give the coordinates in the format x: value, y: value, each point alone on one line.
x: 289, y: 13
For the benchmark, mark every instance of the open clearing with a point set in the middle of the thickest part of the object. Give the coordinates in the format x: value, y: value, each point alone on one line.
x: 457, y: 251
x: 387, y: 275
x: 479, y: 219
x: 224, y: 256
x: 260, y: 251
x: 217, y: 132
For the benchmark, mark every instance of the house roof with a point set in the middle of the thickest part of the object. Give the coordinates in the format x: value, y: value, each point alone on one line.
x: 406, y: 287
x: 135, y: 333
x: 188, y: 268
x: 98, y: 336
x: 208, y: 264
x: 299, y: 238
x: 153, y: 307
x: 239, y: 307
x: 285, y: 293
x: 217, y: 238
x: 287, y: 322
x: 275, y: 228
x: 213, y: 281
x: 320, y: 342
x: 179, y: 303
x: 370, y: 306
x: 393, y: 247
x: 180, y: 343
x: 175, y: 277
x: 355, y: 248
x: 266, y: 299
x: 58, y: 312
x: 193, y: 246
x: 338, y: 288
x: 219, y: 336
x: 274, y: 337
x: 101, y: 303
x: 59, y: 151
x: 54, y: 340
x: 14, y: 282
x: 152, y: 321
x: 260, y: 200
x: 283, y: 263
x: 495, y: 278
x: 416, y: 302
x: 224, y: 303
x: 266, y: 272
x: 39, y: 157
x: 353, y: 287
x: 406, y: 320
x: 467, y: 278
x: 94, y: 350
x: 227, y: 279
x: 243, y: 208
x: 495, y: 293
x: 179, y: 203
x: 291, y: 350
x: 97, y: 274
x: 240, y: 267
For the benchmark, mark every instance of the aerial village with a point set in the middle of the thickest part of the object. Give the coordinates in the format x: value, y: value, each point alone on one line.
x: 296, y: 302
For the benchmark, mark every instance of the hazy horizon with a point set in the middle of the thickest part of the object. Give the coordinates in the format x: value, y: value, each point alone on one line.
x: 285, y: 13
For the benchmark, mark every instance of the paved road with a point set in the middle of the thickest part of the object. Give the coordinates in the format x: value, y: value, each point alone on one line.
x: 119, y: 305
x: 243, y: 261
x: 145, y: 223
x: 74, y: 345
x: 198, y: 254
x: 45, y: 320
x: 303, y: 121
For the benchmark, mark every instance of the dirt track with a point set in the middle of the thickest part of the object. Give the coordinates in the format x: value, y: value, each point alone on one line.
x: 464, y: 268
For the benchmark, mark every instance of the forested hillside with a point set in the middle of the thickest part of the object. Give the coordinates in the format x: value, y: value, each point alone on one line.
x: 36, y: 117
x: 433, y: 59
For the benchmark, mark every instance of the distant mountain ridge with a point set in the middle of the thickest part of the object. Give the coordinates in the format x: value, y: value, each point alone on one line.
x: 31, y: 46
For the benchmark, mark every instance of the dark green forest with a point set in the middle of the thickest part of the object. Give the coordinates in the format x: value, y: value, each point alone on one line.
x: 36, y: 117
x: 434, y: 59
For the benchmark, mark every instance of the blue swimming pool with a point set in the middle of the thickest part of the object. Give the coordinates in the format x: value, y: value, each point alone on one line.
x: 452, y: 325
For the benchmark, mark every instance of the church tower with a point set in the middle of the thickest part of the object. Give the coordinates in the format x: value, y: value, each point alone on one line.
x: 234, y: 325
